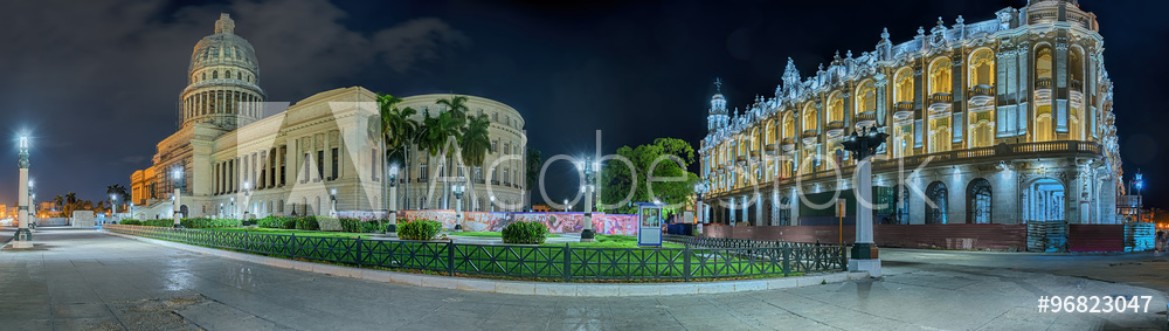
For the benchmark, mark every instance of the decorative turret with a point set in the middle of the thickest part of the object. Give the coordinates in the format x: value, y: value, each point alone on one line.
x: 791, y: 78
x: 717, y: 117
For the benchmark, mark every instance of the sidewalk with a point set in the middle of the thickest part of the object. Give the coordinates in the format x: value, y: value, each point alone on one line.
x: 87, y: 280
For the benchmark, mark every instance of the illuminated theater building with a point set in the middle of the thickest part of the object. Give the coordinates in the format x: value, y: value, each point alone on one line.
x: 1010, y: 121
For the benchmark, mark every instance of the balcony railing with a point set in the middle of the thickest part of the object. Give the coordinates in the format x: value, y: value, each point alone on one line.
x: 982, y: 90
x: 788, y: 144
x: 1043, y: 83
x: 903, y: 110
x: 809, y: 134
x: 835, y: 128
x: 866, y: 117
x: 983, y: 154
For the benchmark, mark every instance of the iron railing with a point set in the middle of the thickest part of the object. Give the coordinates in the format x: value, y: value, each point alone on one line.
x: 700, y: 260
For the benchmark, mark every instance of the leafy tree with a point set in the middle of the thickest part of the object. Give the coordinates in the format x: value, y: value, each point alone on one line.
x: 659, y: 172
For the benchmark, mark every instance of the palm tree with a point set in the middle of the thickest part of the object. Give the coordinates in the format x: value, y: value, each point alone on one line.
x: 456, y: 106
x: 437, y: 132
x: 119, y: 190
x: 70, y: 204
x: 399, y: 131
x: 476, y: 140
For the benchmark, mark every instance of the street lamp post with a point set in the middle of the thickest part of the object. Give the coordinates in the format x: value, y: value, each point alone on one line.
x: 23, y: 236
x: 492, y: 203
x: 247, y: 199
x: 587, y: 234
x: 700, y: 188
x: 177, y: 201
x: 392, y: 211
x: 333, y: 202
x: 458, y: 190
x: 863, y: 144
x: 113, y: 206
x: 566, y: 205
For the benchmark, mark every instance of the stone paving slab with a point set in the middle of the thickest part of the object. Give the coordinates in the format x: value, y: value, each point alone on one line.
x: 171, y: 289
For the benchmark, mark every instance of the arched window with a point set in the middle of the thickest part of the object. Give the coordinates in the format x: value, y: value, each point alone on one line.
x: 981, y: 67
x: 935, y: 204
x: 1076, y: 88
x: 785, y: 213
x: 1044, y: 118
x: 939, y: 76
x: 227, y: 74
x: 215, y: 75
x: 978, y: 202
x: 903, y: 85
x: 835, y: 108
x: 789, y: 125
x: 866, y: 97
x: 811, y: 118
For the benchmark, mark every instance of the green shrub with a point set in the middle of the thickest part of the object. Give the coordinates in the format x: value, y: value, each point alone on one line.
x: 351, y: 225
x: 159, y: 223
x: 307, y: 223
x: 525, y: 233
x: 204, y: 223
x: 271, y: 222
x: 375, y: 226
x: 131, y: 221
x: 419, y: 230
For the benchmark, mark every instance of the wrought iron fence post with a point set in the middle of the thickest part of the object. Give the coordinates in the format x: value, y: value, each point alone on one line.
x: 567, y: 252
x: 843, y: 258
x: 450, y: 256
x: 358, y: 246
x: 291, y: 245
x: 787, y: 257
x: 686, y: 263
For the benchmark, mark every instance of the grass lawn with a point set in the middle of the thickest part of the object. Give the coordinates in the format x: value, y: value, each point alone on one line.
x: 609, y: 259
x: 309, y: 233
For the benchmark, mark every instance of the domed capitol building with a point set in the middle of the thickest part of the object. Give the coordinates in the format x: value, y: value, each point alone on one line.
x: 323, y: 154
x: 1002, y: 121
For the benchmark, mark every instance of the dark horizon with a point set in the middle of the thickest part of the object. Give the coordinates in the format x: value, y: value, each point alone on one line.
x: 97, y: 84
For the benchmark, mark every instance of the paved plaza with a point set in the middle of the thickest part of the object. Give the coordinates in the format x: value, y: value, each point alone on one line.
x: 86, y: 280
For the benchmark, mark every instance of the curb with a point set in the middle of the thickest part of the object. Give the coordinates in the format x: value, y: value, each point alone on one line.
x: 518, y: 287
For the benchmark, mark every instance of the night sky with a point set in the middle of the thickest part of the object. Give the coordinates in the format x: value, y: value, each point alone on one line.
x: 97, y: 82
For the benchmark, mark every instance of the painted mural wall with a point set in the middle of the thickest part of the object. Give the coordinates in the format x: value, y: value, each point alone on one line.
x: 556, y: 222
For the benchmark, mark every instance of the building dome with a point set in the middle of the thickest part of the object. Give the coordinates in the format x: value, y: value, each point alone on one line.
x: 222, y: 80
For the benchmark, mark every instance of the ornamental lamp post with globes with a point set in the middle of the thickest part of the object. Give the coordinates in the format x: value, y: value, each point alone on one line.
x: 863, y: 143
x: 392, y: 211
x: 700, y: 188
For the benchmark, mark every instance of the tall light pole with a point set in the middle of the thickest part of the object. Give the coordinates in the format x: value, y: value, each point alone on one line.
x: 458, y: 189
x: 23, y: 236
x: 113, y: 205
x: 492, y: 203
x: 566, y: 205
x: 588, y: 189
x: 863, y: 144
x: 392, y: 211
x: 177, y: 176
x: 1139, y: 183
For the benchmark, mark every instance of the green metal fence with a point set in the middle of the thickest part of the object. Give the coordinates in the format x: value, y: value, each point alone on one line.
x: 696, y: 262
